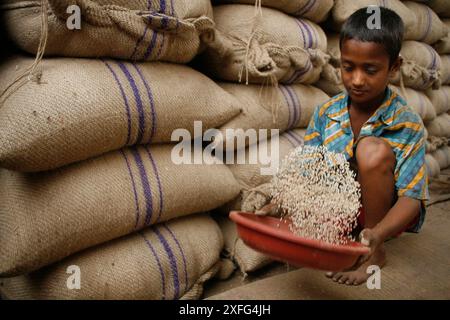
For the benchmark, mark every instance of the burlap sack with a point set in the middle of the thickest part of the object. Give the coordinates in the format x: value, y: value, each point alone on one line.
x: 445, y: 69
x: 246, y: 258
x: 442, y: 156
x: 263, y: 47
x: 283, y: 108
x: 440, y: 127
x: 428, y: 27
x: 164, y: 262
x: 421, y: 66
x: 45, y: 217
x: 432, y: 166
x: 440, y: 99
x: 82, y: 108
x: 441, y: 7
x: 249, y: 175
x: 344, y: 8
x: 419, y: 102
x: 443, y: 45
x: 314, y: 10
x: 156, y: 30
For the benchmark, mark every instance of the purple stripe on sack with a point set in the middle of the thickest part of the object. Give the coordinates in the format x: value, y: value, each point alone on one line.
x: 288, y: 102
x: 299, y: 137
x: 138, y: 43
x: 137, y: 98
x: 302, y: 32
x: 290, y: 139
x: 305, y: 8
x: 299, y: 73
x: 133, y: 184
x: 161, y: 272
x: 182, y: 255
x: 125, y: 99
x: 145, y: 186
x: 151, y: 45
x: 152, y: 102
x: 155, y: 170
x: 433, y: 56
x: 296, y: 105
x: 311, y: 40
x: 172, y: 260
x: 428, y: 28
x: 297, y: 141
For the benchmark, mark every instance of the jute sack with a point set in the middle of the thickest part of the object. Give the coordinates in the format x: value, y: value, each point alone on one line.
x: 440, y: 99
x: 263, y: 46
x: 344, y: 8
x: 163, y: 262
x: 246, y: 258
x: 445, y: 69
x: 441, y: 7
x: 81, y: 108
x: 249, y: 175
x: 442, y: 156
x: 428, y: 27
x: 421, y: 66
x: 440, y: 127
x: 418, y: 101
x: 45, y: 217
x: 443, y: 45
x: 314, y: 10
x: 432, y: 166
x: 283, y: 108
x: 156, y: 30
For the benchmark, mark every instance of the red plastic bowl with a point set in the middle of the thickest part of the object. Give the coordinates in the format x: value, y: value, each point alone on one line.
x: 273, y: 237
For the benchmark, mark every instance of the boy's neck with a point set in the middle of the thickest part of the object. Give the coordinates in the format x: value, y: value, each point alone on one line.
x: 368, y: 107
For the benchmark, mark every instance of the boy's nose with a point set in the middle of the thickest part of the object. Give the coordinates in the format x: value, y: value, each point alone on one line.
x: 358, y: 79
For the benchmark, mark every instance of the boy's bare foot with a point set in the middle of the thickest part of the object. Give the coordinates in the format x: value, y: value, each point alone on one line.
x: 359, y: 275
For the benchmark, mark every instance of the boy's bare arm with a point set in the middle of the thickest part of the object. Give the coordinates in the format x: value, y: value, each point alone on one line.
x: 397, y: 218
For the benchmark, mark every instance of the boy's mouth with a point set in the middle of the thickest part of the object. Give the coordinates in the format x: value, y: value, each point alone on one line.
x: 358, y: 93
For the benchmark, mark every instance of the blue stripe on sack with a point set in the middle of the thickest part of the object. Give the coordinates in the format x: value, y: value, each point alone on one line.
x: 155, y: 170
x: 173, y: 14
x: 302, y: 32
x: 137, y: 98
x: 134, y: 188
x: 152, y: 102
x: 125, y: 99
x: 288, y: 101
x: 145, y: 186
x: 172, y: 260
x: 305, y: 8
x: 311, y: 40
x: 182, y: 255
x: 297, y: 107
x: 138, y: 43
x: 161, y: 272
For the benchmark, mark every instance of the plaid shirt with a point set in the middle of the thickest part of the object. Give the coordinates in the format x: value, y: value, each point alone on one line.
x: 394, y: 122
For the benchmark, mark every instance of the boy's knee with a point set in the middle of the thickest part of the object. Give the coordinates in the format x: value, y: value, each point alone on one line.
x: 374, y: 154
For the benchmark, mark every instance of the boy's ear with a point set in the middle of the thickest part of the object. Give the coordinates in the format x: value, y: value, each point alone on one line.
x: 396, y: 65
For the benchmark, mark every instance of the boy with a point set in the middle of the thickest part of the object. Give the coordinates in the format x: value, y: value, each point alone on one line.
x: 382, y: 138
x: 379, y: 134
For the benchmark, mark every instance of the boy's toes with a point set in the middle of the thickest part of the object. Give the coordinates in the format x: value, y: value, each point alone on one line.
x: 337, y: 276
x: 330, y: 274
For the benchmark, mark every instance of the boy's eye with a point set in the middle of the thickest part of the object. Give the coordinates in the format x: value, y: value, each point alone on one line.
x: 371, y: 71
x: 347, y: 68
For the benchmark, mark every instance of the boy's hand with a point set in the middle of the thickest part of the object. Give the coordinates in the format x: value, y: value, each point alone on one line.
x: 369, y: 238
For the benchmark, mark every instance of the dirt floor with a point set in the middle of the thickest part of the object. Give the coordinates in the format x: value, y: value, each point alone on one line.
x: 418, y: 267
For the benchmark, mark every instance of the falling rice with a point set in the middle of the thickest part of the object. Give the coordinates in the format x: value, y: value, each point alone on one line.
x: 318, y: 192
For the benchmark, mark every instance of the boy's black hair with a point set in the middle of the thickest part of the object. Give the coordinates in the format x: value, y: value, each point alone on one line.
x: 390, y: 35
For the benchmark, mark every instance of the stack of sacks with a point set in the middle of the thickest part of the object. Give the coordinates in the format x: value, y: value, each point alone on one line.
x: 278, y: 50
x: 82, y: 172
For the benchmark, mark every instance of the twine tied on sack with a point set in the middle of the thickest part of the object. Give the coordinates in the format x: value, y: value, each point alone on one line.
x: 30, y: 72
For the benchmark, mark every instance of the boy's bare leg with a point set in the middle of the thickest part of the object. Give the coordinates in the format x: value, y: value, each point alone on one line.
x: 376, y: 163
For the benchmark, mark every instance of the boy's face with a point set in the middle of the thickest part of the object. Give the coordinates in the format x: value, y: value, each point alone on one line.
x: 365, y: 71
